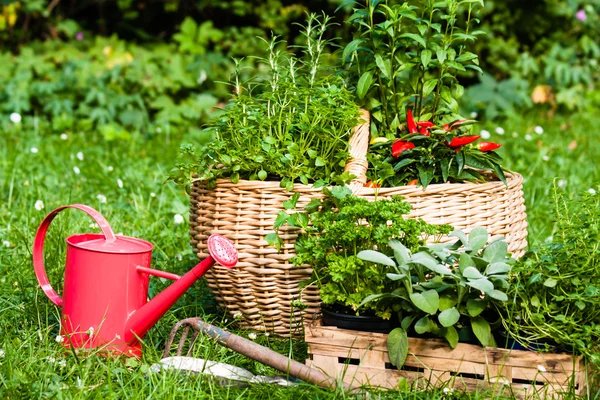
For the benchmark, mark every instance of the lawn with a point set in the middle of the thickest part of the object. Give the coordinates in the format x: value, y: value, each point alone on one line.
x: 124, y: 180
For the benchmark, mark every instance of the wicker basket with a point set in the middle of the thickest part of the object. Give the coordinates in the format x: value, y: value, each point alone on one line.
x: 263, y: 286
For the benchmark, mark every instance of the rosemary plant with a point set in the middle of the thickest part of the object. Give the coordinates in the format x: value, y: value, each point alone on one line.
x: 291, y: 124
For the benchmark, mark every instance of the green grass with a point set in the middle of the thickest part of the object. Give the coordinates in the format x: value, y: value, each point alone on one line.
x: 35, y: 366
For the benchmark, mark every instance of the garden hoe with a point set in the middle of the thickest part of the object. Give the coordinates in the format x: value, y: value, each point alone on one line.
x: 243, y: 346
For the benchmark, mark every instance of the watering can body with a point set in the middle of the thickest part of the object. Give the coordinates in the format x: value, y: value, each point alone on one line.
x: 105, y: 297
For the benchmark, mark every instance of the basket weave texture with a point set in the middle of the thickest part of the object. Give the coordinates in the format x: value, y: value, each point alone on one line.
x: 261, y: 289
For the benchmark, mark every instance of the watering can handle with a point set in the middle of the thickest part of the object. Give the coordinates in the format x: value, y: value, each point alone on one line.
x: 38, y: 246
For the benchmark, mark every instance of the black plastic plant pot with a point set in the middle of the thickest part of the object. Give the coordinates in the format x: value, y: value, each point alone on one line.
x: 504, y: 340
x: 364, y: 323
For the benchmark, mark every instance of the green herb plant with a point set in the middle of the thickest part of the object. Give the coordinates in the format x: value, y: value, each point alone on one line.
x: 292, y: 126
x: 555, y: 295
x: 443, y: 288
x: 336, y: 228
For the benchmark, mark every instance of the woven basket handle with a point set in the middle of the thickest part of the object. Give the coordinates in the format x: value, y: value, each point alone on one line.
x: 359, y: 144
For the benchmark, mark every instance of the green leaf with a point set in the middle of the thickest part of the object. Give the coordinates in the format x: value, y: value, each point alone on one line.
x: 384, y: 66
x: 449, y: 317
x: 424, y: 259
x: 451, y: 335
x: 426, y: 57
x: 428, y: 87
x: 282, y: 218
x: 428, y: 301
x: 496, y: 251
x: 478, y: 238
x: 291, y: 202
x: 465, y: 261
x: 482, y: 284
x: 497, y: 268
x: 364, y: 84
x: 460, y: 235
x: 395, y: 277
x: 274, y: 240
x: 401, y: 253
x: 482, y: 331
x: 423, y: 325
x: 476, y: 306
x: 441, y: 56
x: 397, y: 343
x: 472, y: 273
x: 447, y: 301
x: 376, y: 257
x: 498, y: 295
x: 351, y: 48
x: 550, y: 282
x: 407, y: 321
x: 415, y: 38
x: 425, y: 175
x: 319, y: 162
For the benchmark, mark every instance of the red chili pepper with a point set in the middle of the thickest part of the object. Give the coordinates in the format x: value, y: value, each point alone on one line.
x: 410, y: 121
x: 461, y: 141
x: 488, y: 146
x: 400, y: 146
x: 412, y: 183
x: 424, y: 127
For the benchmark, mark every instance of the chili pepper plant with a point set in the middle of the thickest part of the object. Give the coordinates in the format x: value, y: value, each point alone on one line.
x: 406, y: 58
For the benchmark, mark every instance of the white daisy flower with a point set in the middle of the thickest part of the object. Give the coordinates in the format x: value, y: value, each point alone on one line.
x: 6, y: 243
x: 500, y: 130
x: 178, y: 219
x: 528, y: 137
x: 549, y: 239
x: 545, y: 158
x: 110, y: 168
x: 252, y: 336
x: 101, y: 198
x: 120, y: 183
x: 2, y: 353
x: 79, y: 383
x: 484, y: 134
x: 34, y: 150
x: 94, y: 225
x: 39, y: 205
x: 474, y: 115
x: 448, y: 390
x: 267, y: 334
x: 64, y: 136
x: 541, y: 368
x: 237, y: 315
x: 538, y: 129
x: 79, y: 156
x: 562, y: 183
x: 15, y: 118
x: 158, y: 129
x: 59, y: 339
x: 62, y: 363
x: 152, y: 194
x: 76, y: 170
x: 592, y: 191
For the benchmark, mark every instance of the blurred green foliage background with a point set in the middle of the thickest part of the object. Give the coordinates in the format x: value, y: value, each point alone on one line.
x: 150, y: 67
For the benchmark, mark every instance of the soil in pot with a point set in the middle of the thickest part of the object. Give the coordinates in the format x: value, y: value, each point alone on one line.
x: 345, y: 318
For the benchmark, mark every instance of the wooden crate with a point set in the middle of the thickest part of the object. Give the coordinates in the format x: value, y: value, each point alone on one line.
x: 361, y: 358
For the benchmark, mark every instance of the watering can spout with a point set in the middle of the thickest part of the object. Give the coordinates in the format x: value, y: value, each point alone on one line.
x: 140, y: 322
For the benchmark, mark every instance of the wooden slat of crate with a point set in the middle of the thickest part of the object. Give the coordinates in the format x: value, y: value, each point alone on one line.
x: 361, y: 358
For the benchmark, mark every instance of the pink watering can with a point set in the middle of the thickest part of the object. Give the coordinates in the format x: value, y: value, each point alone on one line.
x: 105, y: 302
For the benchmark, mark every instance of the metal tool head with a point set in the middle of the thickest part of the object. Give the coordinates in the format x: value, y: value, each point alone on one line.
x: 222, y: 251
